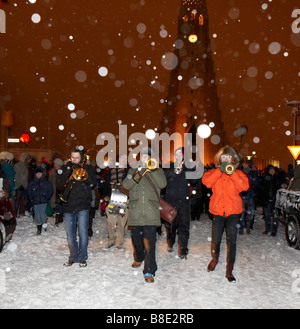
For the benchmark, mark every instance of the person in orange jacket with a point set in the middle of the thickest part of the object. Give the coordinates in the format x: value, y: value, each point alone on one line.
x: 225, y: 204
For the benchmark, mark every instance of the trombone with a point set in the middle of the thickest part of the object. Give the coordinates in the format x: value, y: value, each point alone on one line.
x: 151, y: 165
x: 79, y: 175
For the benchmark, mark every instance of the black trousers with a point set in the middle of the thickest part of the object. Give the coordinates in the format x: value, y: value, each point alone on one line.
x: 229, y: 223
x: 181, y: 224
x: 144, y: 244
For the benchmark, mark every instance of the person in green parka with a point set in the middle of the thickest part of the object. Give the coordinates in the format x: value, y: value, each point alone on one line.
x: 144, y: 212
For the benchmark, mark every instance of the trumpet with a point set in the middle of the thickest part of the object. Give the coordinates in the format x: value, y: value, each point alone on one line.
x: 178, y: 170
x: 229, y: 169
x: 151, y: 165
x: 79, y: 175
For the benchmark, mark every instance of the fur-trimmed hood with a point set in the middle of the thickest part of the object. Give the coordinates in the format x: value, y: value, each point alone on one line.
x: 229, y: 151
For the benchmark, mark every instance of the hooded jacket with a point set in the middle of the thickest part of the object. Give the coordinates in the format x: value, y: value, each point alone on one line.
x: 80, y: 195
x: 144, y: 206
x: 39, y: 190
x: 225, y: 199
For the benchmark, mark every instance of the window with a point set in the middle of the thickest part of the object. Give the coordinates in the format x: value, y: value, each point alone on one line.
x: 201, y: 21
x: 193, y: 14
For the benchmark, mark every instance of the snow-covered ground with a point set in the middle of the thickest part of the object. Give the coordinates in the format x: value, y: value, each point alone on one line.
x: 32, y: 275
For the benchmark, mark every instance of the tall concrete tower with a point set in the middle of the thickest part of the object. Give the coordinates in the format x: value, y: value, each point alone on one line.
x: 192, y: 93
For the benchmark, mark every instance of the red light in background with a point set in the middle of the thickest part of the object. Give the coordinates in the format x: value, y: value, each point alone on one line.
x: 24, y: 138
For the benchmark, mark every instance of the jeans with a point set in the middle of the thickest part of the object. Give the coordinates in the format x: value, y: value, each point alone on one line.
x: 78, y: 251
x: 269, y: 209
x: 230, y: 224
x: 144, y: 243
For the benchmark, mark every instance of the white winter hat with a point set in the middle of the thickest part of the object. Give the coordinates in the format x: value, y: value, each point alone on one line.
x: 58, y: 161
x: 6, y: 156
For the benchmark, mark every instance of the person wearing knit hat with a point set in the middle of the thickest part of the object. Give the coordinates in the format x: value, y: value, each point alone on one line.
x: 58, y: 162
x: 270, y: 184
x: 39, y: 192
x: 6, y: 156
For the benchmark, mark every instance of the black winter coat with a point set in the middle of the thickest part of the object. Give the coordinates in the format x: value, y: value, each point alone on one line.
x: 270, y: 185
x: 39, y: 191
x: 80, y: 196
x: 178, y: 187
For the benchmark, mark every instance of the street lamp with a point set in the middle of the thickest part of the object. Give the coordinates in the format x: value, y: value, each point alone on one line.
x: 295, y: 112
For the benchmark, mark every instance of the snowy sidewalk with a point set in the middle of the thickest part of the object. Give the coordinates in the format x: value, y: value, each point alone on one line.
x: 32, y: 275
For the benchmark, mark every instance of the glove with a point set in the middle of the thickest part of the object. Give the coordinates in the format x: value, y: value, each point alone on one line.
x: 223, y: 166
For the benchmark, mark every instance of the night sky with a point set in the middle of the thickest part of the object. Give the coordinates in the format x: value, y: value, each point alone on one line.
x: 52, y: 52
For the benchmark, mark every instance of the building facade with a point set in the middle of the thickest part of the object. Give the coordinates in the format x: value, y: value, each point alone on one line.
x: 192, y: 93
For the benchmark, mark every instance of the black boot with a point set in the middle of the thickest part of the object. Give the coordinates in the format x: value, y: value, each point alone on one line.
x: 60, y: 218
x: 39, y: 229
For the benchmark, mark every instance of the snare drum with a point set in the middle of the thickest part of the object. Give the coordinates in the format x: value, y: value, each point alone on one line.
x: 118, y: 201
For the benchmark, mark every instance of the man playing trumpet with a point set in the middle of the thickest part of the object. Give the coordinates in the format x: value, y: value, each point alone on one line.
x: 76, y: 180
x: 144, y: 211
x: 178, y: 195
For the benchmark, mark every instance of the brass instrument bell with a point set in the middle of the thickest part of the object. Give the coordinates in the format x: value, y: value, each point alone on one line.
x: 178, y: 170
x: 78, y: 174
x: 152, y: 164
x: 229, y: 169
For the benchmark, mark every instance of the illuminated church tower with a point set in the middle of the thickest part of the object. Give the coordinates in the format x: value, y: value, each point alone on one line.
x: 192, y: 93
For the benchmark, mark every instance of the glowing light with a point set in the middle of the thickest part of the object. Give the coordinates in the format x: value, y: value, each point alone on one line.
x: 71, y: 107
x: 36, y: 18
x: 204, y: 131
x: 25, y: 138
x: 193, y: 38
x: 150, y: 134
x: 103, y: 71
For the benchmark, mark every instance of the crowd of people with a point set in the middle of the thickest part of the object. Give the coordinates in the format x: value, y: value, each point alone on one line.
x: 230, y: 192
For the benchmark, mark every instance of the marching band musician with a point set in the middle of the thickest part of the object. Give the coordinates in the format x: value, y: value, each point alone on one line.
x: 77, y: 194
x: 225, y: 204
x: 178, y: 195
x: 144, y: 211
x: 116, y: 221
